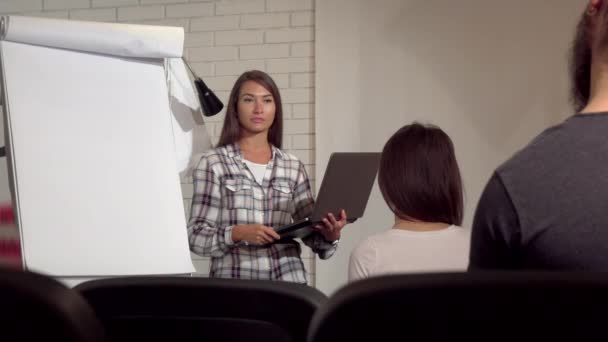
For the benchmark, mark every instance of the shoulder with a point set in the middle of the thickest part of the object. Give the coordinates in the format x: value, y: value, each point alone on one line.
x: 366, y: 249
x: 218, y: 160
x: 362, y: 260
x: 215, y: 154
x: 212, y: 153
x: 289, y: 166
x: 283, y: 155
x: 460, y: 233
x: 459, y: 230
x: 535, y: 151
x: 495, y: 203
x: 286, y: 156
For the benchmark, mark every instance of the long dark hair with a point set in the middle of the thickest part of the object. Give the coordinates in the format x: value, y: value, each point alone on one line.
x: 580, y: 64
x: 419, y: 176
x: 231, y: 131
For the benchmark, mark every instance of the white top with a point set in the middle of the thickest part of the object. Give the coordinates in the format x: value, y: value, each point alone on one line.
x: 405, y: 251
x: 258, y: 170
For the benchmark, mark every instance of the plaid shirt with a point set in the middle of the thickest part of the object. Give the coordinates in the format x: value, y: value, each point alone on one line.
x: 226, y: 194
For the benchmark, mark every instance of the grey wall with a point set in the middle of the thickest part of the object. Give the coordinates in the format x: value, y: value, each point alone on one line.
x: 492, y: 74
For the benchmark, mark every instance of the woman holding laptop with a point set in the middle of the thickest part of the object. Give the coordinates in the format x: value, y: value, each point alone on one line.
x: 247, y: 185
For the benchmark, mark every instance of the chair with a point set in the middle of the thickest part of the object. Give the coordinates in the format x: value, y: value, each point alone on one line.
x: 488, y: 306
x: 33, y: 305
x: 202, y: 309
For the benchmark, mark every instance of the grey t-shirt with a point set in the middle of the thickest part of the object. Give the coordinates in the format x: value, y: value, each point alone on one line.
x: 547, y: 206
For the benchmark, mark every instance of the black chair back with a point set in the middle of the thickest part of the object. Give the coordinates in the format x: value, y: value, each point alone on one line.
x: 33, y: 305
x: 488, y: 306
x: 202, y: 309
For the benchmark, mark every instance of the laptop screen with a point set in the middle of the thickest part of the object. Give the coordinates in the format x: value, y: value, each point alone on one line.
x: 347, y: 184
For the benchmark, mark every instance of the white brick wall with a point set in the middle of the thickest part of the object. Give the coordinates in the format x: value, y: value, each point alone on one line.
x: 302, y: 19
x: 305, y: 49
x: 194, y: 39
x: 190, y: 10
x: 239, y: 7
x: 303, y: 111
x: 300, y: 34
x: 111, y: 3
x: 218, y: 23
x: 223, y: 39
x: 213, y: 53
x: 66, y: 4
x: 100, y: 14
x: 303, y: 80
x: 265, y: 20
x: 52, y: 14
x: 288, y: 5
x: 290, y: 65
x: 239, y: 37
x: 140, y: 13
x: 15, y: 6
x: 264, y: 51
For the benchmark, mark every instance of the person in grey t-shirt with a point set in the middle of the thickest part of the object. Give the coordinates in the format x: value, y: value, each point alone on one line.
x: 547, y: 206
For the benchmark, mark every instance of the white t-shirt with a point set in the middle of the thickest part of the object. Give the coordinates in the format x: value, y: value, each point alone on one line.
x: 405, y: 251
x: 258, y: 170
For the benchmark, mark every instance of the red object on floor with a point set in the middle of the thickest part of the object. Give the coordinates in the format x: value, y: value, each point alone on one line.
x: 6, y: 214
x: 10, y: 247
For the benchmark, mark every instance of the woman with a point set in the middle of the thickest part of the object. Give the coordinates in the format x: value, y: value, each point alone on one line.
x: 247, y: 185
x: 420, y: 182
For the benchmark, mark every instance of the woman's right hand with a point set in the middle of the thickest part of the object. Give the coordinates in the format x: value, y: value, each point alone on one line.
x: 254, y: 234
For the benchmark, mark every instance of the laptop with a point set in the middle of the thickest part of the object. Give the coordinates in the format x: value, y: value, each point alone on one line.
x: 347, y: 183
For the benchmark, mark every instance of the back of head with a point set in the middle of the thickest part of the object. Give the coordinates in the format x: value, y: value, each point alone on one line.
x: 580, y: 64
x: 419, y: 176
x: 590, y: 45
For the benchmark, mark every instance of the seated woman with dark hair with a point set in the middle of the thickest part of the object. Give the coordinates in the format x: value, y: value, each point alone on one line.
x: 420, y: 182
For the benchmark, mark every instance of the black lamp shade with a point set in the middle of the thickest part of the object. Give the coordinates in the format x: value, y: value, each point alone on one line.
x: 210, y: 104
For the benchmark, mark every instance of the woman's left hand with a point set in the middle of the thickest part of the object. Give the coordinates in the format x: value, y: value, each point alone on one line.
x: 330, y: 229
